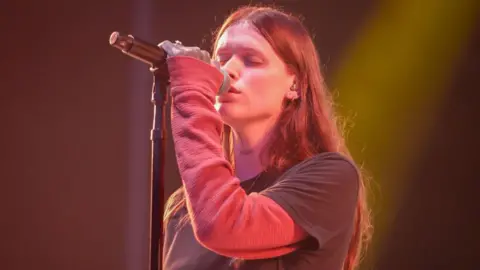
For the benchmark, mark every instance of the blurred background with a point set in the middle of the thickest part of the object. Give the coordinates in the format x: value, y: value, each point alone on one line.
x: 76, y: 116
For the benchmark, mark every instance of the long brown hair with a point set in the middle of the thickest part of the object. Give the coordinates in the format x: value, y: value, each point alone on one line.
x: 306, y: 126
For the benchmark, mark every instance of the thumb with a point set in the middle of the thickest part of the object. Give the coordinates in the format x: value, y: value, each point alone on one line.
x: 168, y: 47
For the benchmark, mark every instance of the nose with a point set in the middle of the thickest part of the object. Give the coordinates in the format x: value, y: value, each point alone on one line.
x: 233, y: 68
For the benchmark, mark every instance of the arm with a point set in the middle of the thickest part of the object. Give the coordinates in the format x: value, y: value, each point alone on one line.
x: 224, y: 218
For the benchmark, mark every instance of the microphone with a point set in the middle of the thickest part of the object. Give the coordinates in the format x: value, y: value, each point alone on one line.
x: 138, y: 49
x: 151, y: 54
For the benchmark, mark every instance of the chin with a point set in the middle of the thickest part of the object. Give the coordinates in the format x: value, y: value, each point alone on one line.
x: 230, y: 114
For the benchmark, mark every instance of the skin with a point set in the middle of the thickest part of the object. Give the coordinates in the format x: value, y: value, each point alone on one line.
x: 260, y: 82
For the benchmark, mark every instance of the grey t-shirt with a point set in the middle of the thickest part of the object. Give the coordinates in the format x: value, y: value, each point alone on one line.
x: 321, y: 199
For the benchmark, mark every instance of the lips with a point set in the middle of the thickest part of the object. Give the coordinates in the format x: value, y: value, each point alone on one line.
x: 227, y: 97
x: 230, y: 96
x: 233, y: 90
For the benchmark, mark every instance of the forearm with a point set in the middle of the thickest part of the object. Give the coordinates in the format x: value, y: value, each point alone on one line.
x: 223, y: 217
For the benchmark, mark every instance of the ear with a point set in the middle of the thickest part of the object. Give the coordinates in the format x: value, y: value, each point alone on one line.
x: 292, y: 92
x: 292, y: 76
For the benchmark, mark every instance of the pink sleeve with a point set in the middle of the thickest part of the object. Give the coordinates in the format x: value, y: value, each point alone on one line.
x: 224, y: 218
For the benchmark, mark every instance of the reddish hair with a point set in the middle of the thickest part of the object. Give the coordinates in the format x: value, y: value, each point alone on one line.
x: 311, y: 115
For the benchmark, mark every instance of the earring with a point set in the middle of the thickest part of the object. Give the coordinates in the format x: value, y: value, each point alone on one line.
x: 293, y: 87
x: 293, y: 93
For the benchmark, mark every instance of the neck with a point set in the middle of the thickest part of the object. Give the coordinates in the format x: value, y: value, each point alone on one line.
x: 247, y: 146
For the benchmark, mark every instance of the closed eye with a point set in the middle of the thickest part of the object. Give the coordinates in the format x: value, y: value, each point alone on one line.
x: 250, y: 60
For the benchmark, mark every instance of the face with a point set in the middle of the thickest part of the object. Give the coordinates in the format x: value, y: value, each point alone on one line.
x: 259, y: 78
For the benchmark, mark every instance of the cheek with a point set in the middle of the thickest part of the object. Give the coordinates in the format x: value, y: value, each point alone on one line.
x: 263, y: 94
x: 265, y: 90
x: 263, y: 84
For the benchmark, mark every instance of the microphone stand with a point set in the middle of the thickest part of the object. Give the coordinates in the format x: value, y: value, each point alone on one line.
x: 158, y: 138
x: 155, y: 56
x: 151, y: 54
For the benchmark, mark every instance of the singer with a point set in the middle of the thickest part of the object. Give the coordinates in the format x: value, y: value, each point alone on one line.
x: 268, y: 182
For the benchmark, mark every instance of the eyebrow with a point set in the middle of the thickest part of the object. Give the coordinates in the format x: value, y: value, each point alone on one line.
x: 237, y: 47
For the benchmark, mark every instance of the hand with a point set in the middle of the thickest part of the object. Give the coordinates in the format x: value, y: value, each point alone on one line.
x: 177, y: 49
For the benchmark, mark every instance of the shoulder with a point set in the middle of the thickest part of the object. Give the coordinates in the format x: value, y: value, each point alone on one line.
x: 329, y: 156
x: 324, y: 167
x: 322, y: 158
x: 323, y: 175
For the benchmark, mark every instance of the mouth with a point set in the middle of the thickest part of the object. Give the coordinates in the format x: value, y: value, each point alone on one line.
x: 230, y: 96
x: 233, y: 90
x: 227, y: 97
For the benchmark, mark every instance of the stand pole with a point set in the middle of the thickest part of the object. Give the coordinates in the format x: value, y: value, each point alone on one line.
x: 154, y: 56
x: 157, y: 184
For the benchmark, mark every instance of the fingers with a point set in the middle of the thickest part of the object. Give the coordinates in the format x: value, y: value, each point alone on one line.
x: 198, y: 53
x: 206, y: 57
x: 168, y: 47
x: 176, y: 49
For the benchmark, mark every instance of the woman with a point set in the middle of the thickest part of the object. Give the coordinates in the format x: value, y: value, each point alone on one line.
x: 267, y: 179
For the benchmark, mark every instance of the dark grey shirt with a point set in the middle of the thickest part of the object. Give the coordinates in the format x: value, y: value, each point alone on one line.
x: 321, y: 199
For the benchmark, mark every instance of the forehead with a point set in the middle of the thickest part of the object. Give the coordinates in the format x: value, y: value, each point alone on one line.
x: 242, y: 35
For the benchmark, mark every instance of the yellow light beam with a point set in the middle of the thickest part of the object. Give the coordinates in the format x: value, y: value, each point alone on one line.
x: 393, y: 79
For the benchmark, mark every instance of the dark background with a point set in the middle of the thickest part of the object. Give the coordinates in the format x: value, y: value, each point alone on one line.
x: 76, y: 117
